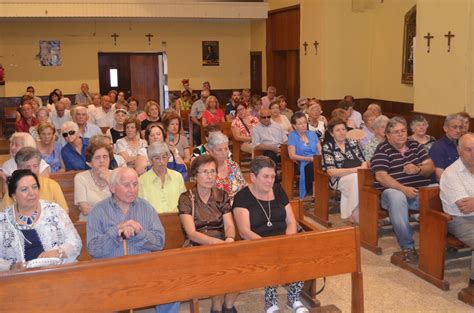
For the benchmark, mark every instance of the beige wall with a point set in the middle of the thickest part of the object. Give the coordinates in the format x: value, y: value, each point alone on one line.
x: 80, y: 47
x: 258, y: 31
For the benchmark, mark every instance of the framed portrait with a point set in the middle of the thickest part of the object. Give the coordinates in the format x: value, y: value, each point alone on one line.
x: 49, y: 52
x: 409, y: 35
x: 210, y: 53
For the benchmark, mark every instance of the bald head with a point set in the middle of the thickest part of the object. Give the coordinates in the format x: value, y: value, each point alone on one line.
x: 466, y: 150
x: 264, y: 116
x: 124, y: 185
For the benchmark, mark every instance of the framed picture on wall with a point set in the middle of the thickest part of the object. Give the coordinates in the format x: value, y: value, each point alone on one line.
x: 49, y: 52
x: 210, y: 53
x: 409, y: 36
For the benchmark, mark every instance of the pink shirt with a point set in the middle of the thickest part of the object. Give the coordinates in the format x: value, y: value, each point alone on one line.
x: 213, y: 119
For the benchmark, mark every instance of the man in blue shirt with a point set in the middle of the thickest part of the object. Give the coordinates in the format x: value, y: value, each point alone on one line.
x: 444, y: 151
x: 125, y: 214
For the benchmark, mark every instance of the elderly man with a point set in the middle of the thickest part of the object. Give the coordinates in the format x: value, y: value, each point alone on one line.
x: 104, y: 116
x: 30, y: 158
x: 401, y: 166
x: 161, y: 186
x: 230, y: 107
x: 80, y: 117
x: 128, y: 216
x: 84, y: 97
x: 444, y: 151
x: 457, y: 196
x: 271, y: 93
x: 197, y: 109
x: 268, y: 136
x: 60, y: 116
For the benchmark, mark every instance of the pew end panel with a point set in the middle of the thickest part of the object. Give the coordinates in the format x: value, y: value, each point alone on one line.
x: 321, y: 193
x: 287, y: 170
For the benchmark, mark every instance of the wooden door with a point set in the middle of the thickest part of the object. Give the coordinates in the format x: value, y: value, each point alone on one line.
x: 120, y: 62
x: 144, y: 78
x: 256, y: 72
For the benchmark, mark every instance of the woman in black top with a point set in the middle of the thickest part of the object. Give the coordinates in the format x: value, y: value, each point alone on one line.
x: 262, y: 210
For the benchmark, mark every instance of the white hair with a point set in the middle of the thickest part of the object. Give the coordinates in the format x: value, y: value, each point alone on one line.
x: 70, y: 125
x: 216, y: 138
x: 26, y: 138
x: 117, y: 173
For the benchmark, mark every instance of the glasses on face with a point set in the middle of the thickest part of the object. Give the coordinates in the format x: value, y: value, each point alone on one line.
x: 399, y: 132
x: 265, y: 117
x: 208, y: 172
x: 69, y: 133
x: 161, y: 157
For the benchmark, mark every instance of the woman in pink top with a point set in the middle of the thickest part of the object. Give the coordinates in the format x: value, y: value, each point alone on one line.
x: 213, y: 114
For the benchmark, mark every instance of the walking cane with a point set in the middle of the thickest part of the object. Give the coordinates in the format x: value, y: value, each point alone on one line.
x: 125, y: 252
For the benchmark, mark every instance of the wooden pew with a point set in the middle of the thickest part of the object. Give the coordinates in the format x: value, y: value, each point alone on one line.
x: 142, y: 280
x: 322, y: 193
x: 287, y: 170
x: 66, y: 181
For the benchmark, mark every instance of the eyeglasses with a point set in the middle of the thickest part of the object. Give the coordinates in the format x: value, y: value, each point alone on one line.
x: 266, y: 116
x: 208, y: 172
x: 161, y: 157
x: 398, y: 132
x: 69, y: 133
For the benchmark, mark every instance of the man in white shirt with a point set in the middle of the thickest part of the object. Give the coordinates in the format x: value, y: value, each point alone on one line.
x: 268, y: 136
x: 84, y: 97
x: 353, y: 114
x: 60, y: 116
x: 80, y: 117
x: 457, y: 196
x: 104, y: 115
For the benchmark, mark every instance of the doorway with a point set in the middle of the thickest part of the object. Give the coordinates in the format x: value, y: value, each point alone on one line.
x: 256, y: 72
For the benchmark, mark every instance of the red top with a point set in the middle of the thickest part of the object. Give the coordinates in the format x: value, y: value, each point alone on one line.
x: 23, y: 126
x: 213, y: 119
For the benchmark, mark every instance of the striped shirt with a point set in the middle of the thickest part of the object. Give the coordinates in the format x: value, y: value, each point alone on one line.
x: 103, y: 240
x: 388, y: 159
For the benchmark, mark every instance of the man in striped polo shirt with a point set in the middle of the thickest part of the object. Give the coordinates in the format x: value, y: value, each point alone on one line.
x: 401, y: 166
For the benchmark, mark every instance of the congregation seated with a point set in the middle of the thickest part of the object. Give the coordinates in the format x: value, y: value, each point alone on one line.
x: 80, y: 117
x: 345, y: 110
x: 378, y: 127
x: 271, y: 95
x: 42, y: 115
x: 375, y: 108
x: 268, y: 136
x: 367, y: 127
x: 95, y: 104
x: 132, y: 148
x: 316, y: 121
x: 121, y: 102
x: 203, y: 149
x: 134, y: 110
x: 206, y: 217
x: 184, y: 102
x: 104, y: 115
x: 457, y: 196
x: 34, y: 228
x: 231, y: 107
x: 175, y: 138
x: 27, y: 117
x: 341, y: 114
x: 118, y: 131
x: 401, y: 166
x: 152, y: 111
x: 31, y: 90
x: 84, y: 97
x: 53, y: 98
x: 229, y: 177
x: 302, y: 104
x: 419, y: 126
x: 303, y: 144
x: 352, y: 114
x: 59, y: 116
x: 262, y: 209
x: 342, y: 157
x: 278, y: 118
x: 242, y: 126
x: 30, y: 158
x: 466, y: 121
x: 74, y: 151
x: 213, y: 114
x: 197, y: 109
x: 283, y: 107
x: 125, y: 214
x: 444, y: 151
x: 160, y: 185
x: 92, y: 186
x: 255, y: 105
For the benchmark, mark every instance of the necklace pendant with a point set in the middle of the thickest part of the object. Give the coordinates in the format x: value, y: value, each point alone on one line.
x: 269, y: 224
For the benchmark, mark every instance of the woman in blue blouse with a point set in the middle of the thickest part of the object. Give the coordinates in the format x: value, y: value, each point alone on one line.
x: 302, y: 146
x: 49, y: 148
x: 74, y: 151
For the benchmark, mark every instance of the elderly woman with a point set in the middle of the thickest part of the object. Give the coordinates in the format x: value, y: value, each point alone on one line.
x: 302, y: 146
x: 177, y: 142
x: 263, y: 210
x: 302, y: 103
x: 341, y: 159
x: 242, y: 127
x: 203, y: 149
x: 132, y: 147
x: 284, y: 107
x: 183, y: 103
x: 92, y: 186
x: 279, y: 118
x: 378, y: 127
x: 74, y: 152
x: 229, y: 178
x: 375, y: 108
x: 466, y: 122
x: 118, y: 131
x: 133, y: 110
x: 152, y: 110
x: 49, y: 148
x: 33, y: 228
x: 42, y: 115
x: 213, y: 114
x: 255, y: 105
x: 206, y: 216
x: 161, y: 186
x: 419, y: 126
x: 27, y: 119
x: 316, y: 122
x: 368, y: 117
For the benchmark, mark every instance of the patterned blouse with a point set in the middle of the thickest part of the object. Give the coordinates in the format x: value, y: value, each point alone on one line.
x: 427, y: 145
x: 237, y: 122
x: 234, y: 180
x: 333, y: 157
x: 54, y: 159
x: 369, y: 148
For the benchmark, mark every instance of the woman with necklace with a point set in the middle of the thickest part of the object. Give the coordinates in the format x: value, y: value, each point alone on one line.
x: 49, y: 148
x: 32, y: 228
x: 263, y: 210
x: 342, y: 157
x: 74, y: 152
x: 302, y: 146
x: 176, y: 141
x: 132, y: 147
x: 213, y: 114
x: 92, y: 186
x: 206, y: 216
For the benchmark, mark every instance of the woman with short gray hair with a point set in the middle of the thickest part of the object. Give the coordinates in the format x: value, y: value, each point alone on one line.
x: 74, y: 151
x: 378, y: 126
x: 229, y: 177
x: 419, y: 126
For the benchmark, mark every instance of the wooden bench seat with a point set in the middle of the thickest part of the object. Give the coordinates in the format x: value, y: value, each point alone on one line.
x: 288, y: 171
x: 66, y: 181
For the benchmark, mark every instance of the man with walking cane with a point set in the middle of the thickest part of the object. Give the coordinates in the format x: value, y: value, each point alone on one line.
x: 125, y: 215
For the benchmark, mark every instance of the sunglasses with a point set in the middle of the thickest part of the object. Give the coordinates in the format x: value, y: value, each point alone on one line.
x: 263, y: 117
x: 69, y: 133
